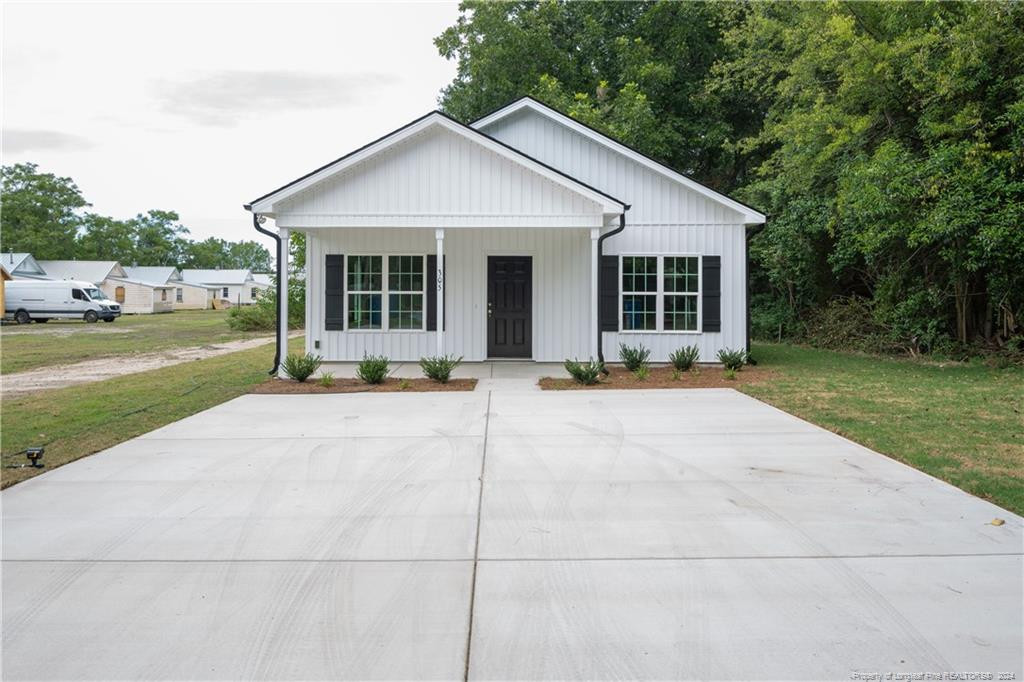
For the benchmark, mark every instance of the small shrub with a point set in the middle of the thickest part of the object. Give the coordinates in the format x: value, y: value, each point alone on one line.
x: 642, y: 372
x: 684, y: 358
x: 300, y: 367
x: 634, y: 358
x: 676, y: 375
x: 586, y: 373
x: 373, y: 369
x: 326, y: 379
x: 732, y: 359
x: 439, y: 368
x: 730, y: 374
x: 404, y: 384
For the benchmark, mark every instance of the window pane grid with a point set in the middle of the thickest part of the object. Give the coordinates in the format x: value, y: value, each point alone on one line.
x: 405, y: 273
x: 681, y: 313
x: 681, y: 275
x: 364, y: 311
x: 640, y: 273
x: 639, y: 312
x: 660, y: 293
x: 364, y: 273
x: 405, y: 311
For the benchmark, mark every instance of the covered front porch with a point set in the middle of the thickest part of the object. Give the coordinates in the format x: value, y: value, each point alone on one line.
x: 527, y: 293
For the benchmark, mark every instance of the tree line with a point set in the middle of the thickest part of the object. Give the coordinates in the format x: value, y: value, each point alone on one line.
x: 47, y: 216
x: 883, y: 140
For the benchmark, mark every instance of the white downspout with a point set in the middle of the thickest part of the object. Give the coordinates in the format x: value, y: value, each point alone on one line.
x: 595, y: 233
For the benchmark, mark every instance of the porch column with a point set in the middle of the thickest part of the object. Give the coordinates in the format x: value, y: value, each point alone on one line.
x: 595, y: 232
x: 439, y: 278
x: 283, y: 322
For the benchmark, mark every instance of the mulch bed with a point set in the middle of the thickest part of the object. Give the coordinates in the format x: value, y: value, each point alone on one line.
x: 390, y: 385
x: 661, y: 377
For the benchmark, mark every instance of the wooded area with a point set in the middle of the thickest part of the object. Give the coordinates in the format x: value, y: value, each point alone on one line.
x: 884, y: 141
x: 43, y: 215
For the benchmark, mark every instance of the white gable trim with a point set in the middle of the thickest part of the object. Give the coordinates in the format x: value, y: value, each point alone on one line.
x: 750, y: 216
x: 265, y: 204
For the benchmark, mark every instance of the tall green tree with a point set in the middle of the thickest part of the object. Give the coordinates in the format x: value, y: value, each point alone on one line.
x: 884, y: 139
x: 40, y: 213
x: 634, y: 70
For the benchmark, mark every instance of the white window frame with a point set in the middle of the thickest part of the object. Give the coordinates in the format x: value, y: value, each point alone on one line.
x: 660, y: 293
x: 179, y: 295
x: 385, y: 292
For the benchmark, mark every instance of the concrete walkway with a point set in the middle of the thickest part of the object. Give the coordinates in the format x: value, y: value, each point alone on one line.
x: 590, y: 535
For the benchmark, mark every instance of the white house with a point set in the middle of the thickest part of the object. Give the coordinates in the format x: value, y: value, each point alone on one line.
x: 524, y: 235
x: 22, y: 266
x: 236, y: 286
x: 187, y: 295
x: 136, y: 296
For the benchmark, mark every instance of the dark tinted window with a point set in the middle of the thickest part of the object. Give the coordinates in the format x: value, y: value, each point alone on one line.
x: 78, y: 294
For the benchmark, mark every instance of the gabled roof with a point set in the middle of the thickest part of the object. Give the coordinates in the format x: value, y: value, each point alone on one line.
x: 82, y: 270
x: 751, y: 215
x: 217, y: 276
x: 142, y: 282
x: 22, y: 264
x: 265, y: 203
x: 154, y: 273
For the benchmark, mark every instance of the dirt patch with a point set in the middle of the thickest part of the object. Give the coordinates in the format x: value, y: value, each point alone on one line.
x: 390, y: 385
x: 61, y: 376
x: 661, y: 377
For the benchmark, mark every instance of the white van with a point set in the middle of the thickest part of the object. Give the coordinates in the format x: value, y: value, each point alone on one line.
x: 41, y: 300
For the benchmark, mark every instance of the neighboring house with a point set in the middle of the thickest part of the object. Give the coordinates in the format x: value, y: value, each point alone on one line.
x: 262, y: 281
x: 22, y: 266
x: 4, y: 276
x: 136, y: 296
x: 187, y: 295
x: 236, y: 286
x: 524, y: 235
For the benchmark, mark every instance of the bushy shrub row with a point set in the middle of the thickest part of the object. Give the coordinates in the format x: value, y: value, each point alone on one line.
x: 372, y: 369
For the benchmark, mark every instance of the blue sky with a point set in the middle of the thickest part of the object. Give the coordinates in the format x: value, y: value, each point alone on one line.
x: 199, y: 108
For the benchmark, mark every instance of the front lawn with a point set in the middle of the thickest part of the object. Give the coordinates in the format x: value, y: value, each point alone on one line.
x: 961, y: 422
x: 61, y: 342
x: 80, y: 420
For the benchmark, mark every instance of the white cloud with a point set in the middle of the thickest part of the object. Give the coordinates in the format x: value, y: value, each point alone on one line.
x: 224, y: 97
x: 20, y: 140
x: 199, y: 107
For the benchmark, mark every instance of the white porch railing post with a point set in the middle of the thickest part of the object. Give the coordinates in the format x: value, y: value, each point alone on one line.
x: 439, y: 279
x: 594, y: 267
x: 283, y: 231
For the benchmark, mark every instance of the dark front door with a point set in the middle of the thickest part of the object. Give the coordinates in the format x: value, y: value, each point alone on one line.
x: 509, y: 306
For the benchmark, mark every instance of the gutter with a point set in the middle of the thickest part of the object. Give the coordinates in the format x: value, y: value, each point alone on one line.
x: 257, y: 219
x: 600, y: 252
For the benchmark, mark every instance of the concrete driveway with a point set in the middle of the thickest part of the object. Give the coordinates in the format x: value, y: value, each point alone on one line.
x: 656, y: 535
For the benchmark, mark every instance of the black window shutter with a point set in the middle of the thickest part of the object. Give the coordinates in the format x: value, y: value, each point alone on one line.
x: 608, y: 294
x: 430, y: 291
x: 334, y: 295
x: 712, y: 294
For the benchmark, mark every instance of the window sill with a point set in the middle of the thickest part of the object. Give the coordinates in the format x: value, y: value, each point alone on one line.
x: 656, y: 331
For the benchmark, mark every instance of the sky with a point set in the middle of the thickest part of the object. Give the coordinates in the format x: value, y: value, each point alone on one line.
x: 200, y: 108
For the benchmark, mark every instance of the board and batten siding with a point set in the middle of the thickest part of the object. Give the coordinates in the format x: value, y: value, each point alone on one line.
x: 665, y: 218
x: 562, y: 327
x: 437, y: 179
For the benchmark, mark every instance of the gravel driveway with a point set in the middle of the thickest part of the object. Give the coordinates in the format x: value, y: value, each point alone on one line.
x: 633, y: 534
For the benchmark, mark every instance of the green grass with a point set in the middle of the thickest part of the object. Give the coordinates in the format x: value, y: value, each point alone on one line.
x: 80, y: 420
x: 61, y: 342
x: 961, y: 422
